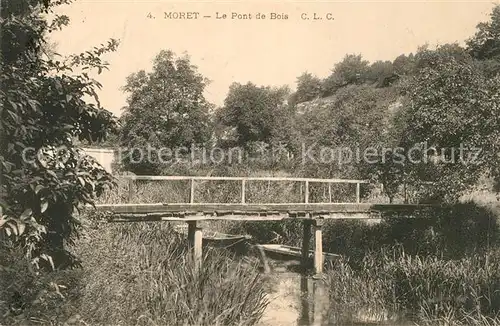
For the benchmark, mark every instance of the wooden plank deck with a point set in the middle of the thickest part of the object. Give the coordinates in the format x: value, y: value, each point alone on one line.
x: 257, y: 212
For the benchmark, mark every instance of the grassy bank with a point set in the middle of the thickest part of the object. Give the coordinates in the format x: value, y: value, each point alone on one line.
x: 392, y: 285
x: 134, y: 275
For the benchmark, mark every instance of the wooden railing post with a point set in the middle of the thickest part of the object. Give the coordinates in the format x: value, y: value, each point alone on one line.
x: 3, y: 235
x: 243, y: 191
x: 306, y: 191
x: 131, y: 189
x: 191, y: 193
x: 330, y: 191
x: 358, y: 195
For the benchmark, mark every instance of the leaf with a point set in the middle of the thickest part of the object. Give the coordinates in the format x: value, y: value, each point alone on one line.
x: 21, y: 227
x: 12, y: 227
x: 38, y: 188
x: 49, y: 259
x: 27, y: 213
x: 44, y: 206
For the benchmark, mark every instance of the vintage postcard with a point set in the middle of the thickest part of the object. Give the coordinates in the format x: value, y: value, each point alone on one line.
x: 250, y: 162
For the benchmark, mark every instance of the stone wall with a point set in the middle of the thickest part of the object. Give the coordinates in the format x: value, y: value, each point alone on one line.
x: 105, y: 157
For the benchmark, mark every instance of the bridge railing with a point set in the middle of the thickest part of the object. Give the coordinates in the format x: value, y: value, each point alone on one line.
x: 243, y: 184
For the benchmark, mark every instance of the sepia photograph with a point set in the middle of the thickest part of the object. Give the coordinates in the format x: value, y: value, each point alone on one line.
x: 249, y: 163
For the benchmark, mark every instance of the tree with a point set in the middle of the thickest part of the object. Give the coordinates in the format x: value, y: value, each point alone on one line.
x: 166, y: 109
x: 382, y: 73
x: 451, y: 110
x: 308, y: 87
x: 351, y: 70
x: 256, y: 114
x: 44, y: 177
x: 349, y: 122
x: 404, y: 65
x: 485, y: 44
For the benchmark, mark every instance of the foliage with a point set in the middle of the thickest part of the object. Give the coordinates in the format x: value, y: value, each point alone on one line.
x: 345, y: 125
x: 351, y: 70
x: 308, y: 87
x: 403, y: 64
x: 382, y: 73
x: 449, y: 118
x: 166, y: 109
x: 44, y: 176
x: 485, y: 44
x: 255, y: 114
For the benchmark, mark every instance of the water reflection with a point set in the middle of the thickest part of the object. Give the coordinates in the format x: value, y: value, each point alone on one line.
x: 296, y: 299
x: 306, y: 287
x: 313, y: 301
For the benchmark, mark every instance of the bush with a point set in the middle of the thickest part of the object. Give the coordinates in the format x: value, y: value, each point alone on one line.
x: 28, y: 296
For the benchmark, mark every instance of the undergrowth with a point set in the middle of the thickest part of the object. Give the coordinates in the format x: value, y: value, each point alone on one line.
x: 428, y: 290
x: 140, y: 274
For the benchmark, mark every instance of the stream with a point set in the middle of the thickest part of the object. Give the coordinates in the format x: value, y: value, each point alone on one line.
x: 303, y: 300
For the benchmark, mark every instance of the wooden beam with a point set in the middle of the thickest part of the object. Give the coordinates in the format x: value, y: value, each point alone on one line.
x: 358, y: 193
x: 263, y: 259
x: 318, y: 246
x: 306, y: 239
x: 191, y: 193
x: 124, y: 218
x: 330, y: 191
x: 213, y: 208
x: 243, y: 191
x: 195, y: 238
x: 306, y: 200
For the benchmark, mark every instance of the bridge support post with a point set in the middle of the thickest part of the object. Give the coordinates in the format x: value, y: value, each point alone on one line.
x: 318, y: 246
x: 195, y: 238
x: 306, y: 240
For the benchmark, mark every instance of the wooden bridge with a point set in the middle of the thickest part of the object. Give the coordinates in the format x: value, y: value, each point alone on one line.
x: 312, y: 214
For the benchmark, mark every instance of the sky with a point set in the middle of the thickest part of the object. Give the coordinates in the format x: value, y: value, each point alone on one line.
x: 263, y: 51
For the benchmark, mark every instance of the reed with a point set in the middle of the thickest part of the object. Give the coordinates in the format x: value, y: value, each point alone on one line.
x: 392, y: 285
x: 141, y: 274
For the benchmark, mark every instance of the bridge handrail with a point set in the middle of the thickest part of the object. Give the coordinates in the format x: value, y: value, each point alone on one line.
x: 243, y: 180
x: 294, y: 179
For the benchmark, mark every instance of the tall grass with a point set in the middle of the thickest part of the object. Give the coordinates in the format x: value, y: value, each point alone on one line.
x: 394, y: 285
x: 141, y: 274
